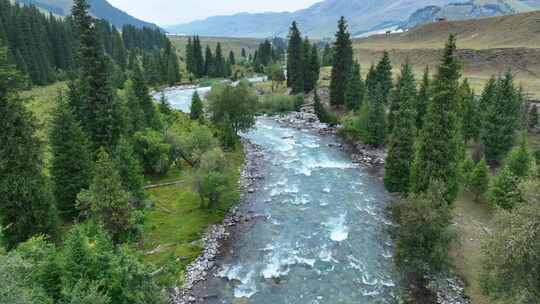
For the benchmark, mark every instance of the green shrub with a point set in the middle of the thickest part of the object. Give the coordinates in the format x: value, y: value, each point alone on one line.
x: 277, y: 103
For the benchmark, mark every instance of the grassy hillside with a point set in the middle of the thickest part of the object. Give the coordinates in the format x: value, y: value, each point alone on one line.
x: 521, y: 30
x: 487, y: 47
x: 227, y: 44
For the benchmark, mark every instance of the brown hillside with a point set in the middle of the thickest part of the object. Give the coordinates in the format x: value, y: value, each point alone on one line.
x: 487, y: 47
x: 520, y: 30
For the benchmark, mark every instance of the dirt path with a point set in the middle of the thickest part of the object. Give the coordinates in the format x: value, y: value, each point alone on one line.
x: 473, y: 222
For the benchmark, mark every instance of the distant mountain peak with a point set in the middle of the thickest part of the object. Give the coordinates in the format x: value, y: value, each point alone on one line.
x: 318, y: 20
x: 98, y: 8
x: 473, y: 9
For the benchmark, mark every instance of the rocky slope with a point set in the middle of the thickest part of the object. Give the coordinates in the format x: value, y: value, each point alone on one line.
x: 469, y: 10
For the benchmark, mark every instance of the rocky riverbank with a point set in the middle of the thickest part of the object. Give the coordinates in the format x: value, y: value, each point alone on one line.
x: 447, y: 288
x: 306, y: 119
x: 217, y: 234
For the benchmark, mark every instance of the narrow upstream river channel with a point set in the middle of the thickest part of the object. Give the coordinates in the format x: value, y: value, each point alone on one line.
x: 320, y: 233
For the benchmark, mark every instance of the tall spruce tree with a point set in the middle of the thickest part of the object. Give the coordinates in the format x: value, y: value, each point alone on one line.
x: 384, y: 76
x: 196, y: 110
x: 219, y: 62
x: 343, y: 60
x: 107, y: 201
x: 129, y: 168
x: 232, y: 59
x: 470, y: 113
x: 99, y: 108
x: 501, y: 119
x: 372, y: 119
x: 295, y: 67
x: 423, y: 99
x: 315, y: 66
x: 327, y: 57
x: 27, y: 206
x: 371, y: 83
x: 437, y: 155
x: 402, y: 133
x: 145, y: 101
x: 306, y: 63
x: 209, y: 62
x: 71, y: 165
x: 354, y: 91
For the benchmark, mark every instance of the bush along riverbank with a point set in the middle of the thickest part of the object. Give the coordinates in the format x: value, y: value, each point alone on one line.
x: 219, y: 233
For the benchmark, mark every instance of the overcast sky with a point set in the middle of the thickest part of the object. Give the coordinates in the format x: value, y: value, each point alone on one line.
x: 168, y: 12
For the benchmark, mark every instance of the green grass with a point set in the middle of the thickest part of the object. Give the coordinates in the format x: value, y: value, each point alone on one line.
x: 227, y: 44
x: 176, y: 222
x: 41, y: 102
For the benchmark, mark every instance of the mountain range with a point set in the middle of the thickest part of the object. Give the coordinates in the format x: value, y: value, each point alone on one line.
x: 98, y: 8
x: 470, y: 10
x: 364, y: 16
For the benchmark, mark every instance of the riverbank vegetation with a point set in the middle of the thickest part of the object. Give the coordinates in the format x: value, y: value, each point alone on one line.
x: 75, y: 213
x: 444, y: 144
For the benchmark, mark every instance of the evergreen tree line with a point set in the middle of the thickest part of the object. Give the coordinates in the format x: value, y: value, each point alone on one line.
x: 42, y: 45
x: 267, y: 54
x: 303, y: 63
x: 211, y: 64
x: 100, y: 144
x: 426, y: 127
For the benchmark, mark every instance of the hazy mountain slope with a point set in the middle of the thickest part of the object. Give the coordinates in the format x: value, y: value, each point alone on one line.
x: 470, y: 10
x: 319, y: 20
x: 98, y: 8
x: 519, y: 30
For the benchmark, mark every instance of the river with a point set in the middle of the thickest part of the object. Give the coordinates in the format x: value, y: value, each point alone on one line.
x: 319, y: 234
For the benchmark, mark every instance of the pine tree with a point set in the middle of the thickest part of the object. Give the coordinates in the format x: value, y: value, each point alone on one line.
x: 327, y: 57
x: 26, y: 207
x: 100, y: 109
x: 501, y: 119
x: 479, y: 179
x: 354, y: 91
x: 404, y: 91
x: 295, y: 68
x: 196, y: 111
x: 164, y: 105
x: 470, y: 113
x: 219, y: 62
x: 118, y: 50
x: 72, y: 160
x: 190, y: 60
x: 504, y: 192
x: 372, y: 120
x: 437, y: 156
x: 306, y: 63
x: 107, y: 202
x: 232, y: 59
x: 384, y: 76
x: 401, y: 146
x: 198, y: 59
x: 423, y: 100
x: 243, y: 54
x: 343, y: 60
x: 521, y: 161
x: 129, y: 168
x: 533, y: 117
x: 145, y: 101
x: 320, y: 110
x: 209, y: 69
x: 371, y: 83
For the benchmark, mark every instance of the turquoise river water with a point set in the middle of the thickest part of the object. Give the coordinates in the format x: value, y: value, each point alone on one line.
x: 321, y: 233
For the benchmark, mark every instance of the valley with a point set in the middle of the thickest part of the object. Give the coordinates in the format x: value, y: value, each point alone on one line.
x: 270, y: 157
